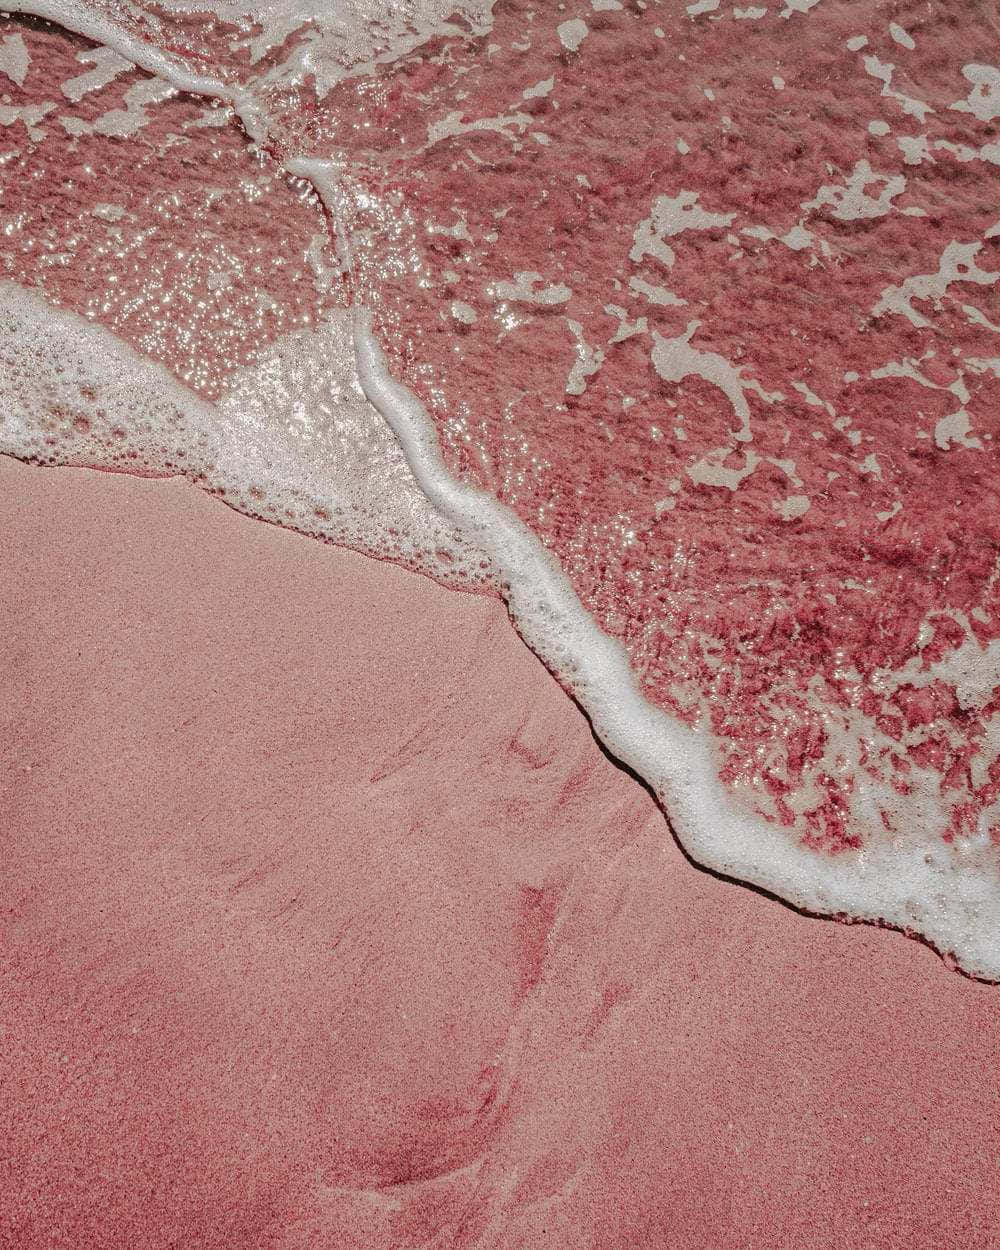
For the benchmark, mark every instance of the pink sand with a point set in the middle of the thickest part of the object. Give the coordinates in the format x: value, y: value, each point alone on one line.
x: 325, y: 923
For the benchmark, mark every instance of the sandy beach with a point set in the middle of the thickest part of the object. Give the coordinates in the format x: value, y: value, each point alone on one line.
x: 666, y: 330
x: 326, y: 923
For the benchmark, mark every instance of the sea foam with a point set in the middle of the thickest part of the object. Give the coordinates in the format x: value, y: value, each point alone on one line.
x: 292, y: 440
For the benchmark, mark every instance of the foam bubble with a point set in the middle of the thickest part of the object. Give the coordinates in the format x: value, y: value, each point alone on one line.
x: 291, y: 440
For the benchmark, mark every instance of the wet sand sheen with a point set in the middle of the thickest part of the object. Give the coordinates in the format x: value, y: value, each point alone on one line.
x: 325, y: 923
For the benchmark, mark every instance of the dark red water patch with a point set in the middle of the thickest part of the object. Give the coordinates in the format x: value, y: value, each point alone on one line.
x: 774, y: 555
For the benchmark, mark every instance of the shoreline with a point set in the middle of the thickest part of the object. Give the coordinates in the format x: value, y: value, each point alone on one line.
x: 329, y: 922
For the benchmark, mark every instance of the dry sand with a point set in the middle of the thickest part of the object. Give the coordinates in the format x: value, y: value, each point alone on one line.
x: 325, y: 923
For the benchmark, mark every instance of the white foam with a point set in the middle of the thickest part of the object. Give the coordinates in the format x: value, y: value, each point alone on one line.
x: 983, y: 99
x: 107, y: 66
x: 336, y: 41
x: 348, y: 38
x: 901, y: 36
x: 572, y: 33
x: 675, y: 359
x: 100, y: 26
x: 29, y: 114
x: 852, y: 202
x: 957, y: 264
x: 530, y: 288
x: 670, y: 216
x: 291, y: 440
x: 883, y: 71
x: 14, y: 59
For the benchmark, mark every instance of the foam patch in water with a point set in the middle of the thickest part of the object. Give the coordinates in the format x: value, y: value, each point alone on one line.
x: 292, y: 440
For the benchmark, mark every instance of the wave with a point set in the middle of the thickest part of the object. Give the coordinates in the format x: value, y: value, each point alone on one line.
x: 804, y: 752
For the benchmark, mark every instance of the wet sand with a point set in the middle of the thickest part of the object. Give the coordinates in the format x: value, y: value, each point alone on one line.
x: 324, y: 922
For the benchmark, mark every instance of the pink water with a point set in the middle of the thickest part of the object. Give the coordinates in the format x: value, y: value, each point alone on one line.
x: 706, y: 295
x: 797, y: 554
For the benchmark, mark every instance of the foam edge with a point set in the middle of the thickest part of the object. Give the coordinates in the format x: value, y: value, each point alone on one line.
x: 948, y: 896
